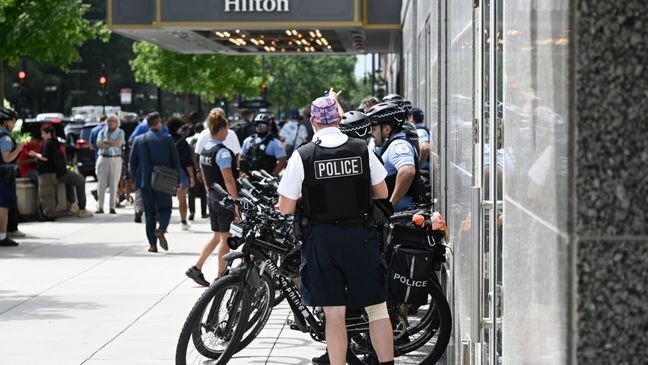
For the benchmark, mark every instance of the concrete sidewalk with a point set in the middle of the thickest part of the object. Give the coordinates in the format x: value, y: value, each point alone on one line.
x: 85, y: 291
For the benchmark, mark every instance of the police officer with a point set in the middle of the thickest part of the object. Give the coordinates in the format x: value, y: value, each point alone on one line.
x: 262, y: 150
x: 415, y: 118
x: 9, y: 151
x: 218, y: 167
x: 337, y: 177
x: 398, y: 153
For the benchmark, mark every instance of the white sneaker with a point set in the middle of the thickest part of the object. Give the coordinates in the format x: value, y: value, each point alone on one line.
x: 16, y: 234
x: 186, y: 226
x: 73, y: 208
x: 84, y: 213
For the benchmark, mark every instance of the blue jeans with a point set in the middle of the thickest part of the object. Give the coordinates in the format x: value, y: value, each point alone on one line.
x: 156, y: 204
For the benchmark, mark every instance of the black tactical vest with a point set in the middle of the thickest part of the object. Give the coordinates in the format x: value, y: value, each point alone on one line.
x: 211, y: 172
x: 337, y: 182
x: 256, y: 157
x: 415, y: 190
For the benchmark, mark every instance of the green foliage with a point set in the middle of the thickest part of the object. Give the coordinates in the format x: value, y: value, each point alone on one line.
x: 209, y: 76
x: 46, y: 30
x: 295, y: 81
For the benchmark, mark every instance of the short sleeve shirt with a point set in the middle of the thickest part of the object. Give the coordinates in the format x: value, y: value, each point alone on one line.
x: 108, y: 135
x: 293, y: 133
x: 274, y: 147
x: 5, y: 146
x: 230, y: 142
x: 423, y: 135
x: 400, y: 153
x: 224, y: 157
x: 291, y: 182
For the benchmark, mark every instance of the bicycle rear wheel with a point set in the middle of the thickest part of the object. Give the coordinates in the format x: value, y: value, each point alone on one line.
x: 212, y: 325
x: 421, y: 336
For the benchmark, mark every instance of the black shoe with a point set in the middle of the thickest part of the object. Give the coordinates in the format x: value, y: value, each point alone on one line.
x: 94, y: 195
x: 197, y: 276
x: 320, y: 360
x: 159, y: 234
x: 8, y: 242
x: 46, y: 218
x: 138, y: 217
x: 112, y: 211
x: 191, y: 216
x: 204, y: 215
x: 99, y: 211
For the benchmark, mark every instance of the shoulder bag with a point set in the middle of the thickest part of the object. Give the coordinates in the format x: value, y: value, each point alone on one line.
x: 164, y: 179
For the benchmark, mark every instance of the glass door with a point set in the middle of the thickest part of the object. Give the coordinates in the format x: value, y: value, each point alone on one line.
x: 492, y: 167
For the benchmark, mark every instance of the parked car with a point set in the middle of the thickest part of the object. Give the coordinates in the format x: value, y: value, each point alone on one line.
x: 85, y: 159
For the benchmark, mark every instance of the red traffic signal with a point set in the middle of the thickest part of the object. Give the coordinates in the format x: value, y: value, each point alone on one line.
x: 103, y: 80
x: 22, y: 75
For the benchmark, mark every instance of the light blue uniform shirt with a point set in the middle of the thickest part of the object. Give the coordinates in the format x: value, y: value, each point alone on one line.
x: 400, y: 153
x: 5, y: 146
x: 423, y: 136
x: 224, y: 157
x: 108, y: 135
x: 274, y: 147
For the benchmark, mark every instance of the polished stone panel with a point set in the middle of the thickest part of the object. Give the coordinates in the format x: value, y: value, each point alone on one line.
x: 612, y: 105
x: 612, y: 302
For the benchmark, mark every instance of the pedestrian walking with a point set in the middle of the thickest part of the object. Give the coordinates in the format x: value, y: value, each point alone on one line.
x: 151, y: 149
x: 341, y: 261
x: 198, y: 191
x: 9, y: 151
x: 110, y: 142
x: 218, y: 167
x: 187, y: 178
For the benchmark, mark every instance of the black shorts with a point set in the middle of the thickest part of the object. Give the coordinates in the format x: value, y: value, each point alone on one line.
x: 342, y: 266
x: 7, y: 190
x: 219, y: 217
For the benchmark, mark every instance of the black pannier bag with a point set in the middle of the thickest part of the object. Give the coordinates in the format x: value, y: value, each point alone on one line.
x: 411, y: 269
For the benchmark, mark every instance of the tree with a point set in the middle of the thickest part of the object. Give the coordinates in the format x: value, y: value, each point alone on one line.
x: 47, y: 31
x: 296, y: 81
x: 210, y: 76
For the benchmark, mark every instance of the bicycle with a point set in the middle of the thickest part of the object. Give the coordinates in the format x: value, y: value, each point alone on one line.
x: 420, y: 337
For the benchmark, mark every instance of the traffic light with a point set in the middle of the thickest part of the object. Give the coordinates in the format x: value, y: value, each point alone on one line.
x: 222, y: 103
x: 22, y: 76
x: 103, y: 80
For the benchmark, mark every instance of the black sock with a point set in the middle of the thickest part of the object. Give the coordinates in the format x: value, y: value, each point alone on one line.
x: 184, y: 221
x: 387, y: 363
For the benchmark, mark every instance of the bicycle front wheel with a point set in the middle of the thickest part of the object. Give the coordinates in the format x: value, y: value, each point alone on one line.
x: 212, y: 329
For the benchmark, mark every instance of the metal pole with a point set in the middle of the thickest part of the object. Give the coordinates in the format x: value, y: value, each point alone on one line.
x: 373, y: 74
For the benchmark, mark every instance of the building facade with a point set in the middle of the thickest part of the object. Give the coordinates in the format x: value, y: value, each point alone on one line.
x: 550, y: 252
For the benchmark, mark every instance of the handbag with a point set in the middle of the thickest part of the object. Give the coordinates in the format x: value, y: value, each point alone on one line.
x: 164, y: 179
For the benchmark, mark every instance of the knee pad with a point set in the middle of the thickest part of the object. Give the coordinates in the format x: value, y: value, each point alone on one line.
x: 377, y: 311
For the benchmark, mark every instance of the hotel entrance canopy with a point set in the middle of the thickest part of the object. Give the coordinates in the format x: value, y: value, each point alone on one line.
x: 261, y: 26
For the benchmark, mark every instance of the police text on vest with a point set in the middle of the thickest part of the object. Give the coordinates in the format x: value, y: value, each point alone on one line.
x: 341, y: 167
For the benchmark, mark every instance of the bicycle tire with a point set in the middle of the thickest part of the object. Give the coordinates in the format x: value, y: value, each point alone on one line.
x: 260, y: 310
x: 192, y: 328
x: 423, y: 350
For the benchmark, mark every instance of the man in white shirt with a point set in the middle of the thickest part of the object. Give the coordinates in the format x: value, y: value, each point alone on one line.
x: 293, y: 134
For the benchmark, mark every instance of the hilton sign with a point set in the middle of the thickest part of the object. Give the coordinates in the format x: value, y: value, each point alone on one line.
x: 268, y: 6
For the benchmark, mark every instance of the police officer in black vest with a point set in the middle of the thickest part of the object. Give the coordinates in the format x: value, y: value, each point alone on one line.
x: 398, y: 153
x: 218, y: 167
x: 341, y: 266
x: 262, y: 150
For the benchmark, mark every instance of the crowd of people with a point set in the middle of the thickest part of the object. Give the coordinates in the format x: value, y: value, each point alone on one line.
x: 376, y: 153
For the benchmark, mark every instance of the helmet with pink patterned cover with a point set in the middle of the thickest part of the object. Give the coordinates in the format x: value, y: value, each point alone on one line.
x: 324, y: 110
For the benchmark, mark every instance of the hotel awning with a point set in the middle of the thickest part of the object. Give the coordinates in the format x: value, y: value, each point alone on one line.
x: 261, y: 26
